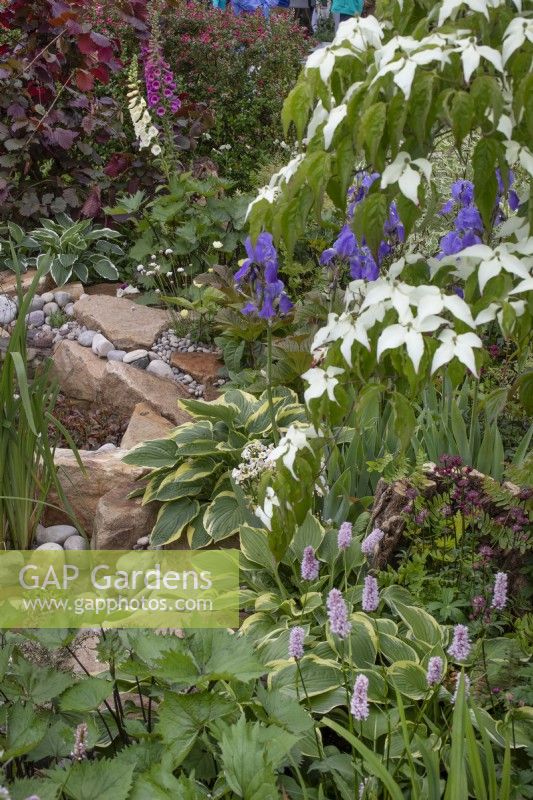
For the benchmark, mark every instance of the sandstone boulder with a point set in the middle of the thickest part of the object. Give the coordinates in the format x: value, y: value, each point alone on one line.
x: 83, y: 488
x: 145, y: 424
x: 8, y: 281
x: 204, y: 367
x: 78, y: 371
x: 124, y: 386
x: 119, y: 521
x: 128, y: 325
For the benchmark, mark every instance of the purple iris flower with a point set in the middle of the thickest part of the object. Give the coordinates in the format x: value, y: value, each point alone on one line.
x: 450, y: 244
x: 462, y: 193
x: 363, y: 266
x: 468, y: 218
x: 260, y: 272
x: 344, y: 246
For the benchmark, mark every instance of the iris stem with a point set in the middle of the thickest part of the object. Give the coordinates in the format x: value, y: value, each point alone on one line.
x: 275, y: 431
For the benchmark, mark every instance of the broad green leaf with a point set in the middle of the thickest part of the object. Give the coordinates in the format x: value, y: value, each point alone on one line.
x: 87, y: 695
x: 183, y: 716
x: 172, y: 518
x: 223, y: 516
x: 409, y: 678
x: 103, y: 779
x: 154, y: 454
x: 25, y: 729
x: 254, y: 547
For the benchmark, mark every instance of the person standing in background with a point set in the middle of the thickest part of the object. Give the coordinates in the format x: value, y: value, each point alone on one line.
x: 346, y: 9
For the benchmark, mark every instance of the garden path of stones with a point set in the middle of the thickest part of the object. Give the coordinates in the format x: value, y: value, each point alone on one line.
x: 111, y: 354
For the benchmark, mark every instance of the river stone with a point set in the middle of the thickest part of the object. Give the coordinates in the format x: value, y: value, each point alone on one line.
x: 86, y: 338
x: 62, y: 298
x: 55, y: 534
x: 37, y: 303
x: 135, y: 355
x: 49, y: 546
x: 116, y: 355
x: 48, y: 297
x: 75, y: 542
x: 36, y: 318
x: 69, y: 309
x: 50, y: 308
x: 101, y: 346
x: 160, y: 368
x: 8, y: 310
x: 129, y: 325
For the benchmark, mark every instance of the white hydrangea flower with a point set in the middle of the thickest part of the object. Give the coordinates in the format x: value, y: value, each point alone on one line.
x: 408, y: 179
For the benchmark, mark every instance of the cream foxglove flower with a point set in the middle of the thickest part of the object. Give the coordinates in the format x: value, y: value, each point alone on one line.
x: 321, y: 381
x: 459, y: 346
x: 408, y: 179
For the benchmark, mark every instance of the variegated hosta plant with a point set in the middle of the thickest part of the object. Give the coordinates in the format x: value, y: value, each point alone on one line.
x: 206, y: 472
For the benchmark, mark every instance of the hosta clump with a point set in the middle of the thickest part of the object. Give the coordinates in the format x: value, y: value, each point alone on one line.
x: 66, y: 249
x: 203, y: 472
x: 384, y: 679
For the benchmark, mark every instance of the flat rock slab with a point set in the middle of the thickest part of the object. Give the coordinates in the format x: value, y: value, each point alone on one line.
x: 128, y: 325
x: 145, y: 424
x: 204, y: 367
x: 8, y: 282
x: 78, y: 371
x: 124, y: 386
x: 85, y: 487
x: 107, y: 288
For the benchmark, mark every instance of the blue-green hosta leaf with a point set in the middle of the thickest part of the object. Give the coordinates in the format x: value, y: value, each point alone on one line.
x: 320, y: 675
x: 182, y: 718
x: 195, y: 469
x: 224, y: 516
x: 59, y: 273
x: 173, y: 517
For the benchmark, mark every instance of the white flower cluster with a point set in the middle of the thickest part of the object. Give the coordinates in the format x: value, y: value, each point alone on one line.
x: 145, y: 131
x: 254, y: 461
x: 419, y: 310
x: 402, y: 56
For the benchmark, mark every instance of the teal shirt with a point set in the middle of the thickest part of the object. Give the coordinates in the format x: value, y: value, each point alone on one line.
x: 351, y: 7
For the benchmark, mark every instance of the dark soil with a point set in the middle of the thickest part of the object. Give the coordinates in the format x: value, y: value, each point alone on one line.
x: 90, y: 428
